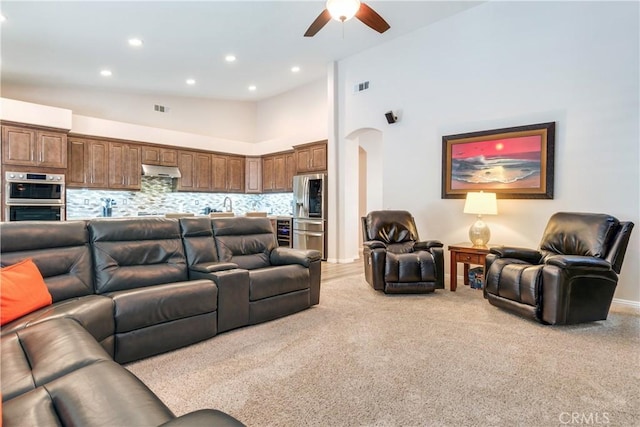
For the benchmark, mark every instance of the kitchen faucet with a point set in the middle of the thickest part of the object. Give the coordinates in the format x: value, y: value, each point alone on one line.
x: 224, y: 204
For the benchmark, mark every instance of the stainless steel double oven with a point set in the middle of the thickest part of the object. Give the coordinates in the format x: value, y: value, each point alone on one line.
x: 34, y: 196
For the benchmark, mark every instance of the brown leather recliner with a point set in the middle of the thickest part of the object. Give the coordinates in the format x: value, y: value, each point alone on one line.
x: 395, y: 261
x: 571, y: 278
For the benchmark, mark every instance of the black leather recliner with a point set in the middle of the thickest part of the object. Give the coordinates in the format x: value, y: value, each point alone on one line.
x: 395, y: 261
x: 570, y: 279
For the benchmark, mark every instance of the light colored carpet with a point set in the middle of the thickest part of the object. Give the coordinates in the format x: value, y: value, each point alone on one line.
x: 362, y: 358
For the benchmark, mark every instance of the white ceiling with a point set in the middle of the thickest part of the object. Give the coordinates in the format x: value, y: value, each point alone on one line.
x: 67, y: 43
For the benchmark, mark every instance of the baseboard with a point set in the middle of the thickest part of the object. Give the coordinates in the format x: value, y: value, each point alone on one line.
x: 627, y: 303
x: 341, y: 261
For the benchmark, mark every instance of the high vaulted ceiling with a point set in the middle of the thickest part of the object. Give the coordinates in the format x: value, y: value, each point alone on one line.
x: 68, y: 43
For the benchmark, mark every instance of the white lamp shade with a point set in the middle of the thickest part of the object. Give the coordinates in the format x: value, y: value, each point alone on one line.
x: 343, y: 10
x: 481, y: 203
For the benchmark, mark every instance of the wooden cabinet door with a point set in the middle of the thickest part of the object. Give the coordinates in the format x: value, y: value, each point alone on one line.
x: 311, y: 157
x: 133, y: 167
x: 18, y: 146
x: 159, y: 156
x: 253, y: 175
x: 219, y: 181
x: 203, y: 172
x: 124, y: 166
x: 318, y: 158
x: 290, y: 171
x: 151, y: 155
x: 97, y: 164
x: 186, y: 165
x: 303, y: 160
x: 279, y: 172
x: 235, y: 174
x: 267, y: 174
x: 77, y: 172
x: 117, y: 163
x: 51, y: 149
x: 88, y: 164
x: 168, y: 157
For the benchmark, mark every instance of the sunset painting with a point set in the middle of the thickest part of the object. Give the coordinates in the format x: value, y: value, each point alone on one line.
x: 515, y: 163
x: 499, y: 163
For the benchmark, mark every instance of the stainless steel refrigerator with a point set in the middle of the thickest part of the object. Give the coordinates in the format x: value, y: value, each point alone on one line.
x: 310, y: 212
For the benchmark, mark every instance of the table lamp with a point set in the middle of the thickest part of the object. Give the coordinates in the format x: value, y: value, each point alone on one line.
x: 480, y: 203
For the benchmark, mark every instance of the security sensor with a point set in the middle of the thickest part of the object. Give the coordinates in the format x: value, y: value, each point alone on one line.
x: 391, y: 118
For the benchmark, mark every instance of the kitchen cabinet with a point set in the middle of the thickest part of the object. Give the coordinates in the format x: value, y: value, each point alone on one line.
x: 196, y: 170
x: 253, y: 175
x: 88, y: 163
x: 277, y: 172
x: 219, y: 172
x: 159, y: 156
x: 37, y: 147
x: 228, y: 173
x: 311, y: 157
x: 235, y: 174
x: 186, y: 164
x: 125, y: 166
x: 203, y: 172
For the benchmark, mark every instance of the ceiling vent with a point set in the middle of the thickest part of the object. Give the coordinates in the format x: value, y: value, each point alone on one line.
x: 160, y: 108
x: 359, y: 87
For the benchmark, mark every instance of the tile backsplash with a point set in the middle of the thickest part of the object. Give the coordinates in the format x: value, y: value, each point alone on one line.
x: 157, y: 198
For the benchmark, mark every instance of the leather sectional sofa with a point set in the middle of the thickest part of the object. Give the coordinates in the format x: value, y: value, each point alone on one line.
x: 126, y: 289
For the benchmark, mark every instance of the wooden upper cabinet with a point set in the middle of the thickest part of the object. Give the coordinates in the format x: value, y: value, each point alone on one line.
x: 253, y: 175
x: 203, y: 172
x: 159, y: 156
x: 277, y: 172
x: 235, y: 174
x: 219, y: 172
x: 289, y: 170
x: 124, y: 166
x: 88, y: 163
x: 26, y: 146
x: 186, y: 165
x: 311, y: 157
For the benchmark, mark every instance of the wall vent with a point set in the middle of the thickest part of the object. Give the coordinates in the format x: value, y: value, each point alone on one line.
x: 359, y: 87
x: 160, y: 108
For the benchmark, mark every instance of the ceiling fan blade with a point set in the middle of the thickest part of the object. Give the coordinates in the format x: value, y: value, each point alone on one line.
x: 317, y: 25
x: 371, y: 18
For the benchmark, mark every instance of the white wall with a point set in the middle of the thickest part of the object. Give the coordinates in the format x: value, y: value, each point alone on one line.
x: 26, y: 112
x: 228, y: 120
x: 505, y: 64
x: 292, y: 118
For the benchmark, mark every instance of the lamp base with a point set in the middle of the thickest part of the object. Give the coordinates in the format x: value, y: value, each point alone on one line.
x: 479, y: 232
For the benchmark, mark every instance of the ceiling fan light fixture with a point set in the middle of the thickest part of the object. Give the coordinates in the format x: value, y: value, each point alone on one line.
x: 343, y: 10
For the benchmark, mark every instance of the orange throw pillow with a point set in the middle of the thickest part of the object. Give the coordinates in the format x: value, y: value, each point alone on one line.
x: 22, y: 290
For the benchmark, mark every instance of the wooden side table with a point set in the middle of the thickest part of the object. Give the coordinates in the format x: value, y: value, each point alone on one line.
x: 467, y: 254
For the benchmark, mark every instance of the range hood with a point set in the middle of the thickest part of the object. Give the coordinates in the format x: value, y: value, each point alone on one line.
x: 163, y: 171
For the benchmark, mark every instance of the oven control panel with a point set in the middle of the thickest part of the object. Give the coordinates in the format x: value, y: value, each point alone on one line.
x: 33, y: 177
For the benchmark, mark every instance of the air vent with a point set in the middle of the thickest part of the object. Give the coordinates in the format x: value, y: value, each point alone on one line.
x: 160, y: 108
x: 359, y: 87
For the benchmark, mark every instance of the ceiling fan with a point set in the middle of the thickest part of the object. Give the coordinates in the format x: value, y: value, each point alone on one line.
x: 343, y: 10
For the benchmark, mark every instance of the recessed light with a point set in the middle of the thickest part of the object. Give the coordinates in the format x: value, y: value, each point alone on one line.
x: 252, y: 88
x: 2, y: 18
x: 230, y: 58
x: 135, y: 42
x: 191, y: 82
x: 106, y: 73
x: 295, y: 69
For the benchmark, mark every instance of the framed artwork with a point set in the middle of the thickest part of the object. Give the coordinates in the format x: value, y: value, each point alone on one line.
x: 514, y: 163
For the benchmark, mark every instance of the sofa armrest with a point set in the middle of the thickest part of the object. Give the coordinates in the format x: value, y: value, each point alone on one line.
x: 374, y: 244
x: 531, y: 256
x: 212, y: 267
x: 204, y: 417
x: 284, y: 256
x: 427, y: 245
x: 569, y: 261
